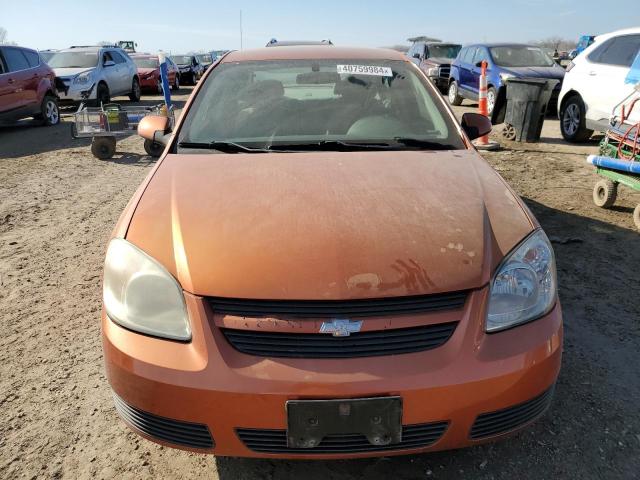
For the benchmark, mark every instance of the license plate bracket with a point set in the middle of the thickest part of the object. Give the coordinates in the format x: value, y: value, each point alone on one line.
x: 379, y: 419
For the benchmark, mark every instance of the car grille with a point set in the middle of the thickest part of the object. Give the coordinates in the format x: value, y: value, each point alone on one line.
x: 445, y: 71
x: 338, y: 308
x: 193, y: 435
x: 319, y: 345
x: 503, y: 421
x: 275, y: 441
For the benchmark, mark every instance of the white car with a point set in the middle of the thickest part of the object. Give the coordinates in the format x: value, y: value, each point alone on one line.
x: 96, y: 74
x: 595, y: 83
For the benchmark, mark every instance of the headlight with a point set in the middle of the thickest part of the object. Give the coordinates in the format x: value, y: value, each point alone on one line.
x: 524, y: 287
x: 141, y: 295
x: 82, y: 78
x: 506, y: 76
x: 433, y: 71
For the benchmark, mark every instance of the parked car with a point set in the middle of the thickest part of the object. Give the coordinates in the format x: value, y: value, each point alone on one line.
x: 434, y: 59
x: 96, y: 74
x: 596, y: 82
x: 191, y: 70
x: 205, y: 59
x: 504, y: 61
x: 27, y: 87
x: 300, y: 278
x: 149, y: 72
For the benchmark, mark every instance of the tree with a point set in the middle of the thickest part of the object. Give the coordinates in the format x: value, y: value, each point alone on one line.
x: 3, y: 35
x: 557, y: 43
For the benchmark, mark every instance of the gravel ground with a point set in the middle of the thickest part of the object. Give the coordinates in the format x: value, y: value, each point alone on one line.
x: 58, y: 205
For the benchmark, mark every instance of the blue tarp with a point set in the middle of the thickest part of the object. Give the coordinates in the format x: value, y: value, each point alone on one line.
x: 633, y: 77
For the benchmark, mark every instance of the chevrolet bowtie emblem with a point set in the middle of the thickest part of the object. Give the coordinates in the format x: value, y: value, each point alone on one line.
x: 341, y: 327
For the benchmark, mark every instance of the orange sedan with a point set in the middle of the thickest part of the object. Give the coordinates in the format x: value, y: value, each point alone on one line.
x: 321, y: 265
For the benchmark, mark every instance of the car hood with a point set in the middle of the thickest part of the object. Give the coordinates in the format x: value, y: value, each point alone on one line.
x: 328, y: 225
x: 556, y: 73
x: 70, y: 72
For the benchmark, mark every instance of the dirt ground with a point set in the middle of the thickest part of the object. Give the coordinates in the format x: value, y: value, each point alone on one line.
x: 58, y: 205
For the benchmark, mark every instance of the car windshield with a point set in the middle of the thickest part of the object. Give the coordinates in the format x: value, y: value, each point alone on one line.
x: 146, y: 62
x: 444, y: 51
x: 205, y: 58
x: 318, y: 104
x: 73, y: 60
x: 182, y: 59
x: 520, y: 56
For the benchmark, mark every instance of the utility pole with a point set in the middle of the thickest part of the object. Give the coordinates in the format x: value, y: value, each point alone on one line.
x: 240, y: 29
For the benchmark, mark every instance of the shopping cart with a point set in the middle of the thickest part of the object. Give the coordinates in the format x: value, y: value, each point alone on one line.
x: 105, y: 124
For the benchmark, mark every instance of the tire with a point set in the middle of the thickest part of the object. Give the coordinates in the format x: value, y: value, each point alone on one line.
x: 492, y: 98
x: 103, y: 147
x: 176, y: 83
x: 102, y: 95
x: 135, y: 94
x: 192, y: 79
x: 454, y: 98
x: 159, y: 87
x: 49, y: 111
x: 572, y: 120
x: 636, y: 216
x: 605, y: 193
x: 153, y: 149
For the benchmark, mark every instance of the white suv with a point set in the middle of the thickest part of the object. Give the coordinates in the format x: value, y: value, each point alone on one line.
x: 595, y: 83
x: 96, y: 74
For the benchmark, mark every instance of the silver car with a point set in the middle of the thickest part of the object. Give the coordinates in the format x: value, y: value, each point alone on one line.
x: 96, y: 74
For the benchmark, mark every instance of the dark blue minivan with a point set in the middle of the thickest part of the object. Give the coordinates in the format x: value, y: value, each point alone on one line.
x: 504, y: 61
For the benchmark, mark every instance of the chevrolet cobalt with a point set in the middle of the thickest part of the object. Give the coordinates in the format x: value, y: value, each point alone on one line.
x: 321, y: 265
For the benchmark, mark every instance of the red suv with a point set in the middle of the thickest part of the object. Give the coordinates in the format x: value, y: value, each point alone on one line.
x: 27, y: 87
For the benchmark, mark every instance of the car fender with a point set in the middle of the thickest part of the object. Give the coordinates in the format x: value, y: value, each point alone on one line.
x: 45, y: 86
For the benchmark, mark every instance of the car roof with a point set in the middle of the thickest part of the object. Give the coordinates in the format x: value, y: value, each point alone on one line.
x: 625, y: 31
x: 89, y: 48
x: 312, y: 52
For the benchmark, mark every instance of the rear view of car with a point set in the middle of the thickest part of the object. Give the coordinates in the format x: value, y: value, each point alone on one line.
x: 27, y: 87
x: 596, y: 81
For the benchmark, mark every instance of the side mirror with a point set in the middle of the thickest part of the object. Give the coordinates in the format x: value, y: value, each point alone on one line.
x: 474, y: 125
x: 109, y: 63
x: 154, y: 128
x: 416, y: 55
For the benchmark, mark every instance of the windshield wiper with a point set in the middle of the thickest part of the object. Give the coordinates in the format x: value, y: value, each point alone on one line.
x: 332, y: 145
x: 423, y: 144
x: 226, y: 147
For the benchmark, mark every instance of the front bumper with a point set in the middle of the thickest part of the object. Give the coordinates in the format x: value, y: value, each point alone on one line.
x: 150, y: 83
x: 233, y: 395
x: 77, y: 93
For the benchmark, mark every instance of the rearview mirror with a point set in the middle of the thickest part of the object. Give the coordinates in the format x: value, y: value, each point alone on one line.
x: 475, y: 125
x: 155, y: 128
x: 109, y: 63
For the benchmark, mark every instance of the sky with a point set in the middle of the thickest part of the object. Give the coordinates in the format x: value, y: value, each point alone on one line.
x: 180, y: 26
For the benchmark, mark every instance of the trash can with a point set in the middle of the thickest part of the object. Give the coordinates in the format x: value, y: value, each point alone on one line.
x: 527, y: 100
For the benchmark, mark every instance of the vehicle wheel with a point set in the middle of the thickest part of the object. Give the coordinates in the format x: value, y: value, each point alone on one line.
x: 103, y: 147
x: 102, y: 95
x: 492, y: 96
x: 605, y: 193
x: 152, y: 148
x: 509, y: 132
x: 50, y: 113
x: 636, y: 216
x: 159, y: 87
x: 572, y: 121
x: 176, y: 84
x: 454, y: 98
x: 134, y: 96
x: 193, y: 80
